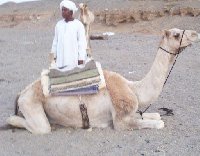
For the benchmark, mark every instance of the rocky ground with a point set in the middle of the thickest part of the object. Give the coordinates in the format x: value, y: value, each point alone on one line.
x: 26, y: 35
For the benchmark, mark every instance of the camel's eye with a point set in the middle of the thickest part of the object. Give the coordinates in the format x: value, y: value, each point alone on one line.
x: 177, y: 35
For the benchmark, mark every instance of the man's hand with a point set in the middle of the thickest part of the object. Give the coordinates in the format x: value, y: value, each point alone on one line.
x: 80, y: 62
x: 51, y: 58
x: 52, y: 61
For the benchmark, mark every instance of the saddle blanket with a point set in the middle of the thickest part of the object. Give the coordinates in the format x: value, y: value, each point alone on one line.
x: 75, y: 83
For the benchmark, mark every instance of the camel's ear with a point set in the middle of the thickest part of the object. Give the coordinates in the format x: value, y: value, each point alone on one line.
x: 166, y: 33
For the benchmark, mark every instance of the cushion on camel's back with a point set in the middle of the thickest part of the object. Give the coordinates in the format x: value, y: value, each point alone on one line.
x: 77, y: 81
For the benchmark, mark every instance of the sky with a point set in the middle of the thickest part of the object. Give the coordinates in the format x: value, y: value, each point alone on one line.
x: 15, y: 1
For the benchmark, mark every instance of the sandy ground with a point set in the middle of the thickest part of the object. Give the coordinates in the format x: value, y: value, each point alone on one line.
x: 24, y: 47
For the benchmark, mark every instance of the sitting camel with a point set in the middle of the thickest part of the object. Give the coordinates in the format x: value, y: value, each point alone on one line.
x: 87, y: 18
x: 114, y: 105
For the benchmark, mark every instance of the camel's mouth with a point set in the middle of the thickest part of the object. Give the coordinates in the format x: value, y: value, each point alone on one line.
x: 197, y: 38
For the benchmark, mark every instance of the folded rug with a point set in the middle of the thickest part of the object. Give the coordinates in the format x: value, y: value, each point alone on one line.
x: 57, y: 88
x: 76, y: 84
x: 75, y: 77
x: 80, y: 91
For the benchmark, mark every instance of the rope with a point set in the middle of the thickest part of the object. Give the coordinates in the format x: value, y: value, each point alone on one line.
x: 171, y: 70
x: 176, y: 54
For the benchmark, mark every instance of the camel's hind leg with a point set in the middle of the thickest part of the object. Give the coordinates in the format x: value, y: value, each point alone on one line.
x: 35, y: 119
x: 17, y: 121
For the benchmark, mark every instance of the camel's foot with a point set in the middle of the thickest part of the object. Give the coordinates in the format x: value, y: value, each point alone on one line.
x: 16, y: 121
x: 132, y: 123
x: 151, y: 116
x: 157, y: 124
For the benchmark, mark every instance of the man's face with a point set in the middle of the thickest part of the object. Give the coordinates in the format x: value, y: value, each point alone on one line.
x: 66, y: 13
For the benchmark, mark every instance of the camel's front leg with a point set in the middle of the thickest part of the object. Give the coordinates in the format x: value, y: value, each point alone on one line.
x: 132, y: 122
x: 149, y: 116
x: 148, y: 123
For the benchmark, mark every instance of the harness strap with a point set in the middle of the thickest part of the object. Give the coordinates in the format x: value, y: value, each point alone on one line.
x: 167, y: 51
x: 170, y: 70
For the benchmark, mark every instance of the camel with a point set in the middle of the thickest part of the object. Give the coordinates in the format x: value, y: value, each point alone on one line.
x: 87, y: 18
x: 114, y: 105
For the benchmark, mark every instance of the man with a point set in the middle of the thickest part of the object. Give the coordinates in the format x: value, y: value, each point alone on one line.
x: 69, y: 44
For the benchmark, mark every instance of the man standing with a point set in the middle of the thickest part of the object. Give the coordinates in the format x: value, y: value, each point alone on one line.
x: 69, y: 43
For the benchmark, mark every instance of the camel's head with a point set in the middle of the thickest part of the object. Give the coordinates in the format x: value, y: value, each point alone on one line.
x: 82, y: 6
x: 175, y: 39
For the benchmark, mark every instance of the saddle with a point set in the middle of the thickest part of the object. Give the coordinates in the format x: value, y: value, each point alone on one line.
x: 78, y: 81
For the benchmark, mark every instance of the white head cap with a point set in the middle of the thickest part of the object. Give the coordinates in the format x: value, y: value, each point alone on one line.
x: 69, y: 5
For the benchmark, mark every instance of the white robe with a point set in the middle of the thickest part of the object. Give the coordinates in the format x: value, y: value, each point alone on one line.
x: 69, y: 44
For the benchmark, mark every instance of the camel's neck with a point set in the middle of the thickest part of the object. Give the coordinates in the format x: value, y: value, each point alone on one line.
x: 84, y: 12
x: 84, y: 16
x: 150, y: 87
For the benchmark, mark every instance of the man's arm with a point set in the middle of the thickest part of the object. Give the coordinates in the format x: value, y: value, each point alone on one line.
x: 82, y: 44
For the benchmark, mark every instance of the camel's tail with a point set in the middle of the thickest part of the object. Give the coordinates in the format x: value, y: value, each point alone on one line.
x: 16, y: 105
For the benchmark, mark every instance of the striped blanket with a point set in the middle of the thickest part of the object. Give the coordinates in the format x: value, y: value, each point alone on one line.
x: 75, y: 77
x: 93, y: 89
